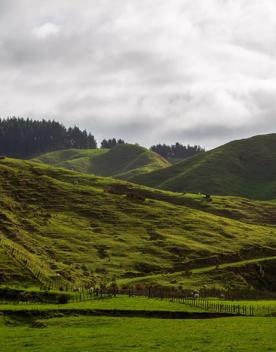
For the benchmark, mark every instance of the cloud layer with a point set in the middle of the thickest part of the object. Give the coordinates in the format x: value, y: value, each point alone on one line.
x: 194, y: 71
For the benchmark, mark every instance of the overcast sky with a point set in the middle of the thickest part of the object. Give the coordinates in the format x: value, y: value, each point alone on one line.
x: 194, y: 71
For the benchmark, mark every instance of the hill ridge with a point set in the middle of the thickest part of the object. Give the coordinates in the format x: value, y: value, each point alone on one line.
x: 245, y: 167
x: 123, y: 161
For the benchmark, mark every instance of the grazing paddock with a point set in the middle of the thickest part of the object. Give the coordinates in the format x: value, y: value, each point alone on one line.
x: 105, y: 334
x: 119, y: 303
x: 144, y: 303
x: 99, y: 325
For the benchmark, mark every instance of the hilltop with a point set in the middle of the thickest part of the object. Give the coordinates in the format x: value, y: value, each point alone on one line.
x: 67, y: 228
x: 123, y: 161
x: 242, y: 168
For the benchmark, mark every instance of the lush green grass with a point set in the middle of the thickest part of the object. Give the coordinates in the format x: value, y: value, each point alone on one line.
x: 118, y: 303
x: 103, y: 334
x: 66, y: 155
x: 68, y: 228
x: 246, y: 168
x: 123, y: 161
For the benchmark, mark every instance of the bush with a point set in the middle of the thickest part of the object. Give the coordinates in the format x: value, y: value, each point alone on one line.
x: 62, y: 299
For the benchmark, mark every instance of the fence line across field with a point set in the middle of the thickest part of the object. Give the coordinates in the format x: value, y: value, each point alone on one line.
x: 212, y: 304
x: 207, y: 304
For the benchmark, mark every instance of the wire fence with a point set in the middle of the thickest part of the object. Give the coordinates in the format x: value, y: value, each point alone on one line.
x: 230, y: 308
x: 248, y: 308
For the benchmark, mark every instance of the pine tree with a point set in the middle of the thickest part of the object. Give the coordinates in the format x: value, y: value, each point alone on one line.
x: 25, y: 138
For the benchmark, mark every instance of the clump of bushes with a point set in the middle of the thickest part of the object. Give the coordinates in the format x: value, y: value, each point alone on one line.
x: 16, y: 295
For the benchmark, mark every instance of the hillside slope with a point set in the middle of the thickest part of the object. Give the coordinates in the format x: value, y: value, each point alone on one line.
x: 123, y: 161
x: 242, y: 168
x: 60, y: 227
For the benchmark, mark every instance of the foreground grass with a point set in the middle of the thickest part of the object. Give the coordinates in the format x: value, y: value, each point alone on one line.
x: 102, y: 334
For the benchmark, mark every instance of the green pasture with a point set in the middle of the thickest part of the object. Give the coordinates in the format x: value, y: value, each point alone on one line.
x: 104, y: 334
x: 118, y: 303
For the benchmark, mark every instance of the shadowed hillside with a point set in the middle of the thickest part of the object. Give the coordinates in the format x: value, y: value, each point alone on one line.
x: 68, y: 228
x: 243, y: 168
x: 123, y: 161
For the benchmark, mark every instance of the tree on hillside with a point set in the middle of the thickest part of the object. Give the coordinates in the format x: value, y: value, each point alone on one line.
x: 80, y: 139
x: 111, y: 143
x: 24, y: 138
x: 177, y: 150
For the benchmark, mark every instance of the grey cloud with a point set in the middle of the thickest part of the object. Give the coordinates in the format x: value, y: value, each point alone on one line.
x: 209, y: 135
x: 212, y: 135
x: 193, y: 71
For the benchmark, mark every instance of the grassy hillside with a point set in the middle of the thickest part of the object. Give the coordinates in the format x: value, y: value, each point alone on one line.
x: 245, y: 168
x: 123, y: 161
x: 64, y: 227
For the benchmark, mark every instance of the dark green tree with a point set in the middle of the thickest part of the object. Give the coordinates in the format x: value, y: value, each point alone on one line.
x: 177, y: 150
x: 25, y: 138
x: 111, y: 143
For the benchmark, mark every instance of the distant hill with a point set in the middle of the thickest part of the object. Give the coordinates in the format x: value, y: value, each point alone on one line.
x: 66, y: 228
x: 123, y: 161
x: 243, y: 168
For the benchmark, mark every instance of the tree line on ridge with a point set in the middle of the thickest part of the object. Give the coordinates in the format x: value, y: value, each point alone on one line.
x: 26, y: 138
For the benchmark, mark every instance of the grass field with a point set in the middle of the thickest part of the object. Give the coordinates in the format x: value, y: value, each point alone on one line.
x: 118, y: 303
x: 104, y: 334
x: 75, y: 332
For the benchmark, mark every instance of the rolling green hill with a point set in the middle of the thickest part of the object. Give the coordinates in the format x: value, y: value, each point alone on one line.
x: 123, y: 161
x: 242, y: 168
x: 60, y: 227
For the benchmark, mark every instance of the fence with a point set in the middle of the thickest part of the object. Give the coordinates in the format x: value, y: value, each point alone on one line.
x: 27, y: 260
x: 39, y: 269
x: 210, y: 304
x: 207, y: 304
x: 20, y: 297
x: 229, y: 308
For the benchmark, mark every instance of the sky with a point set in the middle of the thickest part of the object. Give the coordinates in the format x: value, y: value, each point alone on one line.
x: 148, y: 71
